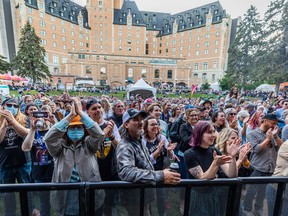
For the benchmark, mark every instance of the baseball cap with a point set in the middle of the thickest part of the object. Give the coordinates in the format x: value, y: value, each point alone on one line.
x: 132, y: 113
x: 271, y: 116
x: 148, y: 101
x: 189, y: 106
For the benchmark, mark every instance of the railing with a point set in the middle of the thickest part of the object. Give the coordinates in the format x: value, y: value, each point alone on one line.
x: 86, y: 191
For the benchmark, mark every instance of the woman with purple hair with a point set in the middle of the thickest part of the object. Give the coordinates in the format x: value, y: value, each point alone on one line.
x: 205, y: 162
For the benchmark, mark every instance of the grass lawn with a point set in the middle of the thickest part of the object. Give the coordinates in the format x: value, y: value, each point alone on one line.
x: 120, y: 94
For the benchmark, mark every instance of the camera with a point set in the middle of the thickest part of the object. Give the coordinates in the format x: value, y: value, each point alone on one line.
x: 40, y: 114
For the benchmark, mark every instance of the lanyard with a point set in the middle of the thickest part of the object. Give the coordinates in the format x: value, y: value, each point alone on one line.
x: 43, y: 146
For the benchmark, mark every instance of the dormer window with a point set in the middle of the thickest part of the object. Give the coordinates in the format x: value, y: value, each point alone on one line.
x: 29, y: 2
x: 191, y: 24
x: 197, y: 17
x: 133, y: 15
x: 166, y: 25
x: 218, y: 18
x: 189, y: 19
x: 61, y: 13
x: 73, y: 12
x: 124, y: 14
x: 150, y: 20
x: 183, y: 26
x: 195, y: 11
x: 216, y: 12
x: 154, y: 26
x: 212, y: 6
x: 51, y: 10
x: 200, y: 22
x: 120, y: 20
x: 137, y: 21
x: 71, y: 18
x: 181, y: 21
x: 64, y: 8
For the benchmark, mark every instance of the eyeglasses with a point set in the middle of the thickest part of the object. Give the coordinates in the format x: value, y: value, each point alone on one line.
x: 154, y: 124
x: 10, y: 105
x: 193, y: 115
x: 232, y: 114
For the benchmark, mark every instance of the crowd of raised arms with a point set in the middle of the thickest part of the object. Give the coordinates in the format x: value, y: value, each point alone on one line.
x: 90, y: 139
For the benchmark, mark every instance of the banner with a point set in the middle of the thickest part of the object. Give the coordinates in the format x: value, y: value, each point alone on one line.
x: 193, y: 88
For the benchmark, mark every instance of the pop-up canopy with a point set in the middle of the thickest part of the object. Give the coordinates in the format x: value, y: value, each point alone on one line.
x: 142, y: 88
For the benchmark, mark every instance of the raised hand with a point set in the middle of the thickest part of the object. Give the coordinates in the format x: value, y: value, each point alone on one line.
x: 233, y: 148
x: 8, y: 116
x: 269, y: 134
x: 78, y: 105
x: 171, y: 146
x: 275, y: 131
x: 221, y: 159
x: 246, y: 119
x: 245, y: 149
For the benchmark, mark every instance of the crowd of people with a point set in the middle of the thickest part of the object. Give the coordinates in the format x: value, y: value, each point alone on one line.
x: 90, y: 139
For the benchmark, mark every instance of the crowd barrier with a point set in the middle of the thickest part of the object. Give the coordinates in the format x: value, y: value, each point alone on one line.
x: 234, y: 189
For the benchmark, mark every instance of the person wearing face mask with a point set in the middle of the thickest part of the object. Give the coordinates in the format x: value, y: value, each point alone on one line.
x: 15, y: 165
x: 42, y: 161
x: 73, y: 142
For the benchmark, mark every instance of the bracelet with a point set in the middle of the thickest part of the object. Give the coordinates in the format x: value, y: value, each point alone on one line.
x: 112, y: 138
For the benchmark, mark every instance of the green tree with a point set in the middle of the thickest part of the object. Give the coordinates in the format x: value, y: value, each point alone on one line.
x: 246, y: 44
x: 30, y: 58
x: 205, y: 86
x: 4, y: 65
x: 226, y: 82
x: 272, y: 59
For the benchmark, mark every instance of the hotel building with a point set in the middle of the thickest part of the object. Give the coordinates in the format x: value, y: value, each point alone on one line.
x: 112, y: 41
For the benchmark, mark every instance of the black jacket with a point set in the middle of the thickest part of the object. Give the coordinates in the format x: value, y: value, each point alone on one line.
x: 186, y: 135
x: 174, y: 131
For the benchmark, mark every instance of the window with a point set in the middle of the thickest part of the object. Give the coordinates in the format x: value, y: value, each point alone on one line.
x: 197, y: 53
x: 30, y: 10
x: 52, y: 17
x: 181, y: 48
x: 53, y: 27
x: 64, y: 47
x: 216, y: 42
x: 196, y: 66
x: 195, y: 75
x: 43, y: 33
x: 42, y: 23
x: 81, y: 36
x: 41, y: 5
x: 46, y: 58
x: 144, y: 73
x: 157, y: 73
x: 130, y: 72
x: 88, y: 69
x: 63, y: 38
x: 207, y: 36
x: 54, y: 44
x: 63, y: 30
x: 198, y: 45
x: 73, y: 41
x: 217, y: 34
x: 215, y: 64
x: 204, y: 76
x: 206, y: 52
x: 64, y: 60
x: 56, y: 70
x: 208, y: 27
x: 54, y: 36
x: 81, y: 56
x: 41, y: 14
x: 30, y: 20
x: 81, y: 44
x: 205, y: 65
x: 55, y: 59
x: 216, y: 50
x: 169, y: 74
x: 213, y: 77
x: 207, y: 44
x: 44, y: 42
x: 72, y: 33
x: 198, y: 37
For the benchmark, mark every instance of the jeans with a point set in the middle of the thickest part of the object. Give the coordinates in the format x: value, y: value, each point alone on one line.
x: 44, y: 198
x: 252, y: 190
x: 9, y: 175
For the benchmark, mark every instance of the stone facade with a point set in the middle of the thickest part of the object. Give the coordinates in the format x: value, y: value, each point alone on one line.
x: 111, y: 41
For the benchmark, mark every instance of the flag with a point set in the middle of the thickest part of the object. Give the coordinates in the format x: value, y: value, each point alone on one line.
x: 193, y: 88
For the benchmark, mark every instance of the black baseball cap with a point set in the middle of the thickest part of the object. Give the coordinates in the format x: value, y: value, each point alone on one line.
x: 132, y: 113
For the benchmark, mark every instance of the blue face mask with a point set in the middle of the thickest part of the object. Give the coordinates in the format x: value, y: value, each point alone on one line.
x: 75, y: 134
x: 12, y: 109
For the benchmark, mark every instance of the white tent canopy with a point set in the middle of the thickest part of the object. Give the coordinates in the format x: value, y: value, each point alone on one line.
x: 142, y: 88
x: 215, y: 86
x: 265, y: 88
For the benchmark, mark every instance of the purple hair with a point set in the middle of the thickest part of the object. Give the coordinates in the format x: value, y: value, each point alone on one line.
x: 199, y: 129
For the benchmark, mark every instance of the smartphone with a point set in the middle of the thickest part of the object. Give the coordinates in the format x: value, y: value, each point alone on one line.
x: 40, y: 114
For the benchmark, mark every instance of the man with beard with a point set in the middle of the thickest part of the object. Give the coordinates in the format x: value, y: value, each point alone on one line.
x: 264, y: 141
x: 134, y: 163
x: 106, y: 152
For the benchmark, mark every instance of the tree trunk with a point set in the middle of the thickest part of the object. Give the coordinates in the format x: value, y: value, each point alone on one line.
x: 277, y: 87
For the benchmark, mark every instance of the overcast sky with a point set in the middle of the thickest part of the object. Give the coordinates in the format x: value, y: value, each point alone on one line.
x: 233, y: 7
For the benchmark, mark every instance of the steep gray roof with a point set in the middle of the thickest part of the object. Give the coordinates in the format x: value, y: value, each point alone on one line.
x: 163, y: 22
x: 63, y: 9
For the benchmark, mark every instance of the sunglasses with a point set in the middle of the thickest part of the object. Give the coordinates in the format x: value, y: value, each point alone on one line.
x: 10, y: 105
x: 233, y: 114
